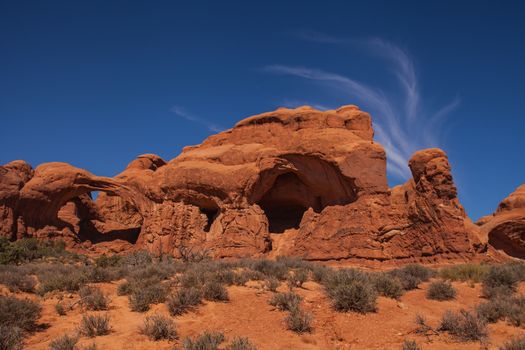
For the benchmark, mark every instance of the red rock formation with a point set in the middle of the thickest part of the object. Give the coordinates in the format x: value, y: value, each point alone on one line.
x: 293, y: 181
x: 505, y: 229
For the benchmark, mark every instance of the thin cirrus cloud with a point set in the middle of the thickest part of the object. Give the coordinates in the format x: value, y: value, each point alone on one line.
x: 181, y: 112
x: 402, y: 126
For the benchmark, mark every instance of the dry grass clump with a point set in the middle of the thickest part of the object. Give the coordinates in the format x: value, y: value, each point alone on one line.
x: 351, y: 290
x: 159, y: 327
x: 464, y: 325
x: 60, y: 309
x: 183, y: 300
x: 205, y: 341
x: 10, y: 337
x: 17, y: 281
x: 285, y: 301
x: 299, y: 321
x: 65, y: 342
x: 412, y: 275
x: 142, y: 296
x: 464, y: 272
x: 388, y: 285
x: 215, y: 291
x: 94, y: 325
x: 514, y: 344
x: 241, y: 343
x: 410, y: 345
x: 92, y: 298
x: 21, y: 313
x: 441, y: 290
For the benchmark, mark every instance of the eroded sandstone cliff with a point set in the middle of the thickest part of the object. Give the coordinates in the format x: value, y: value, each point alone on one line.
x: 297, y: 182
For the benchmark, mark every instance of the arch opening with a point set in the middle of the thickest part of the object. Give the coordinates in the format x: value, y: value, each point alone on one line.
x: 510, y: 238
x: 211, y: 214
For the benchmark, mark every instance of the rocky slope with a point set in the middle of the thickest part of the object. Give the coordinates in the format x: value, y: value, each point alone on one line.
x: 297, y: 182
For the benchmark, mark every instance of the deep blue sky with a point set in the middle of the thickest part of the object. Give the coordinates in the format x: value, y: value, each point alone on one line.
x: 96, y: 83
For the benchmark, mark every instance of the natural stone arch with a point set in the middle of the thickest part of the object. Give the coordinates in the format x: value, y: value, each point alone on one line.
x: 509, y: 237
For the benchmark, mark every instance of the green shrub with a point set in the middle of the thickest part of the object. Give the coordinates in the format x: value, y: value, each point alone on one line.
x: 270, y: 268
x: 465, y: 272
x: 17, y: 281
x: 410, y: 345
x: 351, y: 290
x: 464, y: 325
x: 510, y: 309
x: 320, y: 272
x: 65, y: 342
x: 500, y: 281
x: 159, y: 327
x: 388, y: 286
x: 205, y: 341
x: 108, y: 261
x: 241, y: 343
x: 92, y: 298
x: 299, y: 321
x: 285, y: 301
x: 94, y: 325
x: 441, y: 290
x: 215, y: 291
x: 516, y: 311
x: 124, y: 288
x: 21, y: 313
x: 514, y: 344
x: 183, y: 300
x: 10, y: 337
x: 28, y: 249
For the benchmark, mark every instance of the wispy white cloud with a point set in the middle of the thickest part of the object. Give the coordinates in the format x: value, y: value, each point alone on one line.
x: 181, y: 112
x: 402, y: 126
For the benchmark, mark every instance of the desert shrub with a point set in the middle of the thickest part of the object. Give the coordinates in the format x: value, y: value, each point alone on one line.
x: 514, y: 344
x: 441, y: 290
x: 254, y: 275
x: 189, y: 255
x: 10, y: 337
x: 388, y: 286
x: 412, y: 275
x: 241, y: 343
x: 517, y: 268
x: 351, y: 290
x: 240, y: 278
x: 183, y: 300
x: 299, y: 321
x: 94, y: 325
x: 21, y: 313
x: 60, y: 309
x: 285, y: 301
x: 205, y: 341
x: 108, y: 261
x: 510, y: 309
x: 215, y: 291
x: 60, y: 277
x: 421, y: 323
x: 464, y: 272
x: 410, y: 345
x: 272, y: 283
x: 65, y: 342
x: 92, y: 298
x: 17, y: 281
x: 28, y: 249
x: 194, y: 277
x: 270, y: 268
x: 500, y: 280
x: 297, y: 278
x: 320, y: 272
x: 142, y: 296
x: 137, y: 258
x: 158, y: 327
x: 464, y: 325
x: 124, y: 288
x: 103, y: 274
x: 516, y: 311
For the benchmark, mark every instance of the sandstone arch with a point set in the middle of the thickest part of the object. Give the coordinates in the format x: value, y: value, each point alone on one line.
x: 509, y: 237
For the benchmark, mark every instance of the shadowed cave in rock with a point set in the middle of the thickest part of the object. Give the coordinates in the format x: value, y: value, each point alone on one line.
x: 507, y: 237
